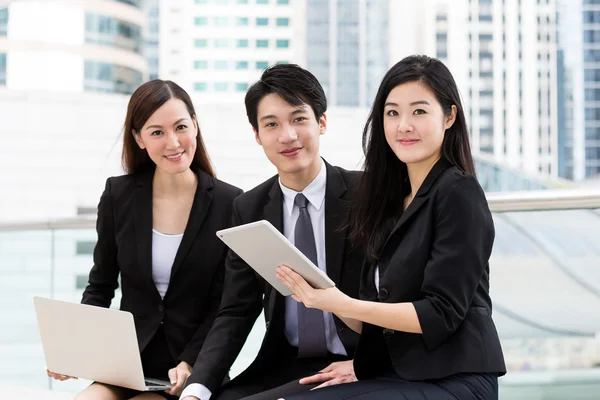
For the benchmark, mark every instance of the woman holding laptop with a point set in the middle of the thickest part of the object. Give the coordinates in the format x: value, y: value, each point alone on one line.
x: 156, y: 232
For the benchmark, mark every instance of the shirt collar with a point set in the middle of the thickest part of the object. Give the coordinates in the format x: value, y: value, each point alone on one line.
x: 314, y: 192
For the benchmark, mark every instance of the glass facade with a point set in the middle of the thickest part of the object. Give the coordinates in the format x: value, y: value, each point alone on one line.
x: 317, y: 42
x: 109, y: 31
x: 377, y: 46
x: 342, y: 80
x: 3, y: 21
x: 591, y: 58
x: 111, y: 78
x: 151, y: 37
x: 2, y: 68
x: 347, y: 26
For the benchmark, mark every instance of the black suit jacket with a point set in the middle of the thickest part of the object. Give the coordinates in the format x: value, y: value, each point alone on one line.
x: 124, y: 247
x: 246, y: 293
x: 437, y: 258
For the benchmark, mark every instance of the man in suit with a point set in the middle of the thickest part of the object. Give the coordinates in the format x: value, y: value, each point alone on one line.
x: 308, y: 202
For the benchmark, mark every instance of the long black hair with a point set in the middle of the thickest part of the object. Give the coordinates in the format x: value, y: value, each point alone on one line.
x: 379, y: 195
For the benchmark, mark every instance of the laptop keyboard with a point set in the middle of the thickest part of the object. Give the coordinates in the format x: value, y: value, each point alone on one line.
x: 156, y: 383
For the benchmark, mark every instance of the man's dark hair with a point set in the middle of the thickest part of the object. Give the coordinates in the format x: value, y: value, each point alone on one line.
x: 292, y: 83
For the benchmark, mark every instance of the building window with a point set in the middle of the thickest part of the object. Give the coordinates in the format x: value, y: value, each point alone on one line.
x: 242, y: 1
x: 84, y: 248
x: 242, y: 21
x: 283, y: 43
x: 221, y: 21
x: 241, y: 65
x: 222, y: 2
x: 241, y: 43
x: 201, y: 21
x: 282, y: 62
x: 241, y: 86
x: 2, y: 69
x: 109, y: 31
x: 200, y: 86
x: 221, y: 65
x: 3, y: 21
x: 262, y: 43
x: 200, y: 43
x: 221, y: 43
x: 262, y: 1
x: 262, y: 21
x: 262, y: 64
x: 200, y: 64
x: 111, y: 78
x: 201, y: 1
x: 283, y: 2
x: 221, y: 86
x: 81, y: 281
x: 283, y: 21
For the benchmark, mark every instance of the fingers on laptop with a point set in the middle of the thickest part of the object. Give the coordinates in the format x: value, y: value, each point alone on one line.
x: 60, y: 377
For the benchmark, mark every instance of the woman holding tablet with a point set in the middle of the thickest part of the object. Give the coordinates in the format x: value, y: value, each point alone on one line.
x: 156, y: 231
x: 424, y: 311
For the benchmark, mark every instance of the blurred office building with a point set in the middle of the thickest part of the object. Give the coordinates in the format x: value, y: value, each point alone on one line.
x: 579, y: 50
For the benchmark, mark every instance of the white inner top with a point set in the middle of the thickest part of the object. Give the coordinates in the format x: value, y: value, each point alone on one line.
x: 164, y: 249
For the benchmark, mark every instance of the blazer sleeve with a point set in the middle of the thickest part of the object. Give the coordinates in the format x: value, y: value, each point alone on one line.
x: 462, y: 245
x: 240, y: 306
x: 103, y: 279
x: 190, y: 353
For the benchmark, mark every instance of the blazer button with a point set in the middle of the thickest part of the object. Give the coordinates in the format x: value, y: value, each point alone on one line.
x: 161, y: 308
x: 267, y: 324
x: 383, y: 294
x: 388, y: 332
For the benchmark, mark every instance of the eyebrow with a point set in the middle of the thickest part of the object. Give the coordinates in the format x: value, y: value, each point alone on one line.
x: 299, y: 110
x: 414, y: 103
x: 159, y: 126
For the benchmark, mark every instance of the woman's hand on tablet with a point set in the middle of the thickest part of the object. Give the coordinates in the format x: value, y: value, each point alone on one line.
x: 331, y: 299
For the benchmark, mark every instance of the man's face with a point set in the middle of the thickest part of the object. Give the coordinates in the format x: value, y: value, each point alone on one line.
x: 289, y: 135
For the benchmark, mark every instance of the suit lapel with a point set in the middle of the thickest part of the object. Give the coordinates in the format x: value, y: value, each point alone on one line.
x: 421, y: 196
x: 336, y: 212
x: 142, y: 219
x: 273, y: 212
x: 200, y: 206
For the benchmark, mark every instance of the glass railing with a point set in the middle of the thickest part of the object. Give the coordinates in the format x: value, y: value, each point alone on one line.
x: 545, y: 283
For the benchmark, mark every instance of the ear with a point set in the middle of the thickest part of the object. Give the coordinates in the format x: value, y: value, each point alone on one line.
x: 449, y: 121
x: 323, y: 124
x: 138, y: 139
x: 256, y: 137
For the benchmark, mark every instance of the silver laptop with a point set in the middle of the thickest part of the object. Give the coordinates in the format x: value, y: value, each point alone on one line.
x: 94, y: 343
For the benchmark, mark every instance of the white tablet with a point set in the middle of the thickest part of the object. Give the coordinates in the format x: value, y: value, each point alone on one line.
x: 264, y: 248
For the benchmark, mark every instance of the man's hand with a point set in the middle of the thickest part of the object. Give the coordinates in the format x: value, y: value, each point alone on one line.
x: 178, y: 376
x: 334, y: 374
x: 190, y: 398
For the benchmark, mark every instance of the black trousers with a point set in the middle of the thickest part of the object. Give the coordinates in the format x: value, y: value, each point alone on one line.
x: 460, y: 386
x: 277, y: 380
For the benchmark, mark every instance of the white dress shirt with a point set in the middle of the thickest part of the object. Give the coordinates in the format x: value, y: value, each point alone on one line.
x: 315, y: 193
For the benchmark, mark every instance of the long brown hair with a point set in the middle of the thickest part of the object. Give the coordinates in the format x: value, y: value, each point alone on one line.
x: 143, y: 103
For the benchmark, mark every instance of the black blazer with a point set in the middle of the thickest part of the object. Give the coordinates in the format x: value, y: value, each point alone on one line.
x: 246, y: 293
x: 437, y: 258
x: 125, y: 247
